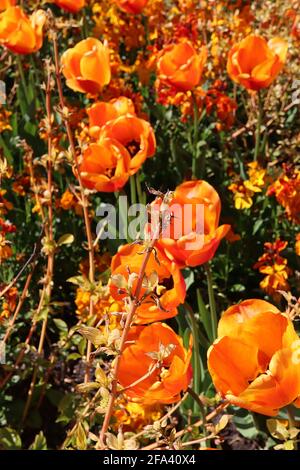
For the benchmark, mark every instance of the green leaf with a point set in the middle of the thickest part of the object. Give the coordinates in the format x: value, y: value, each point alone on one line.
x: 61, y: 326
x: 39, y: 442
x: 66, y: 239
x: 9, y: 439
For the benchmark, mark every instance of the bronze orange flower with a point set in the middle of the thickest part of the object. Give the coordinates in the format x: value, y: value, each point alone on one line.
x: 185, y: 240
x: 132, y: 6
x: 102, y: 112
x: 20, y: 33
x: 135, y: 134
x: 86, y: 66
x: 181, y: 66
x: 6, y: 4
x: 255, y: 63
x: 158, y: 355
x: 104, y: 166
x: 169, y: 285
x: 73, y: 6
x: 255, y: 361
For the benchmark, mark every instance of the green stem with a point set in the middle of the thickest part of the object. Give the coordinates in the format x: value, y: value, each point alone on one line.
x: 141, y: 194
x: 197, y: 369
x: 212, y: 303
x: 23, y: 81
x: 195, y: 138
x: 258, y: 127
x: 132, y: 189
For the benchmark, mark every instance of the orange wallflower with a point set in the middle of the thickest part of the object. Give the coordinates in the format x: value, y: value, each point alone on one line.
x: 6, y: 4
x: 73, y: 6
x: 19, y: 33
x: 184, y: 242
x: 86, y: 66
x: 275, y: 268
x: 286, y: 189
x: 163, y: 297
x: 132, y: 6
x: 101, y: 112
x: 181, y: 66
x: 255, y: 63
x: 135, y: 135
x: 255, y: 361
x: 105, y: 166
x: 159, y: 355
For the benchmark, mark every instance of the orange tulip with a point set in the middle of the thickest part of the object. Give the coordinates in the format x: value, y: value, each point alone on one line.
x: 19, y: 33
x: 100, y: 113
x: 155, y: 345
x: 73, y: 6
x: 104, y: 166
x: 132, y: 6
x: 135, y: 134
x: 181, y: 66
x: 6, y: 4
x: 255, y: 362
x: 86, y: 66
x: 255, y: 63
x: 169, y: 289
x: 183, y: 240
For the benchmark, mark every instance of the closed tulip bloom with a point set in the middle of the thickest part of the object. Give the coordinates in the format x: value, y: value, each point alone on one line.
x: 181, y: 66
x: 132, y: 6
x: 255, y: 361
x: 167, y: 286
x: 135, y: 134
x: 20, y: 33
x: 193, y: 234
x: 102, y: 112
x: 86, y: 66
x: 73, y: 6
x: 6, y: 4
x: 157, y: 353
x: 104, y: 166
x: 255, y: 63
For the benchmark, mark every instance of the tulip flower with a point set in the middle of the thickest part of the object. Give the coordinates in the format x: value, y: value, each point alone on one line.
x: 156, y: 353
x: 163, y: 289
x: 135, y: 134
x: 132, y: 6
x: 255, y: 63
x: 72, y: 6
x: 19, y: 33
x: 183, y: 239
x: 4, y: 4
x: 181, y: 66
x: 101, y: 112
x: 86, y: 66
x: 255, y: 361
x: 104, y: 166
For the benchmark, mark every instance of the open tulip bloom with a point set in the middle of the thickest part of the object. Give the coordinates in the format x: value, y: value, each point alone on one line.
x: 255, y: 361
x: 255, y: 63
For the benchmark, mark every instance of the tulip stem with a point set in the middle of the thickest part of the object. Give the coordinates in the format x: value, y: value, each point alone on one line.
x: 212, y: 303
x: 195, y: 138
x: 132, y: 190
x: 258, y: 127
x: 22, y: 77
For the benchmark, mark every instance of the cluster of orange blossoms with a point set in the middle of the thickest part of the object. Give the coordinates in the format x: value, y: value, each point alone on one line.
x: 255, y: 361
x: 275, y: 268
